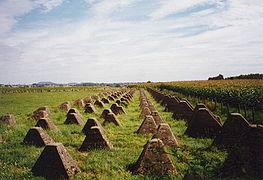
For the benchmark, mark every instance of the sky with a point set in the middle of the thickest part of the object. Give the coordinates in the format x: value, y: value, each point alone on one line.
x: 128, y: 40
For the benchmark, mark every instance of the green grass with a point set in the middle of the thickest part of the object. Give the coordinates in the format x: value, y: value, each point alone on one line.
x: 30, y: 89
x: 22, y: 103
x: 195, y: 159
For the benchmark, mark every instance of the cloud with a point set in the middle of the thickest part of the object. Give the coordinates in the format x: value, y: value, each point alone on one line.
x: 176, y: 6
x: 211, y: 40
x: 10, y: 10
x: 91, y: 1
x: 107, y: 7
x: 204, y: 12
x: 48, y: 5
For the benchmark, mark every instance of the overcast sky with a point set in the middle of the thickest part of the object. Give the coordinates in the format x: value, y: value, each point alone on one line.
x: 128, y: 40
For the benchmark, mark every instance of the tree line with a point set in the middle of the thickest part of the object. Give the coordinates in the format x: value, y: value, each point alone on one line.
x: 246, y: 76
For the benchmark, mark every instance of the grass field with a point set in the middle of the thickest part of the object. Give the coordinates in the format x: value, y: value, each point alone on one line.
x: 50, y: 89
x: 196, y: 159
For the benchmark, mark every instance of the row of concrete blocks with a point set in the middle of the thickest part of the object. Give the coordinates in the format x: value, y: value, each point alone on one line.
x: 116, y: 107
x: 95, y: 139
x: 99, y: 100
x: 236, y: 135
x: 44, y: 112
x: 74, y: 117
x: 155, y: 157
x: 201, y: 122
x: 38, y: 137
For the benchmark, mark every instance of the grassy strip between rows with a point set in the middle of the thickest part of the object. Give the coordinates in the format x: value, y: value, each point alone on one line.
x: 194, y: 159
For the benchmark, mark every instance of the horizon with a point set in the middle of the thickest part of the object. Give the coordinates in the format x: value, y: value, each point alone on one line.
x: 109, y: 41
x: 138, y: 82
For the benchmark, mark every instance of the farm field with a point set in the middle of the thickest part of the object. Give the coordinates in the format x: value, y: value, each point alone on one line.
x: 230, y: 84
x: 195, y: 159
x: 244, y: 95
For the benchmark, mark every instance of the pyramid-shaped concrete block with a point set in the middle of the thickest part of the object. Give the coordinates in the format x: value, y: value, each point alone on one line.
x: 183, y: 110
x: 89, y: 108
x: 38, y: 137
x: 145, y: 112
x: 95, y: 139
x: 171, y: 104
x: 148, y: 126
x: 195, y: 111
x: 154, y: 159
x: 164, y: 132
x: 101, y: 95
x: 99, y: 104
x: 245, y: 160
x: 122, y: 103
x: 111, y: 118
x: 157, y: 118
x: 105, y: 112
x: 115, y: 96
x: 74, y: 118
x: 8, y: 119
x: 125, y: 100
x: 199, y: 106
x: 105, y: 100
x: 95, y: 97
x: 40, y: 114
x: 65, y: 106
x: 55, y: 163
x: 116, y: 109
x: 151, y: 107
x: 79, y: 103
x: 235, y: 127
x: 43, y: 108
x: 90, y: 123
x: 143, y: 103
x: 120, y: 110
x: 74, y: 110
x: 111, y: 98
x: 87, y: 100
x: 129, y: 96
x: 118, y: 102
x: 204, y: 124
x: 165, y: 100
x: 46, y: 124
